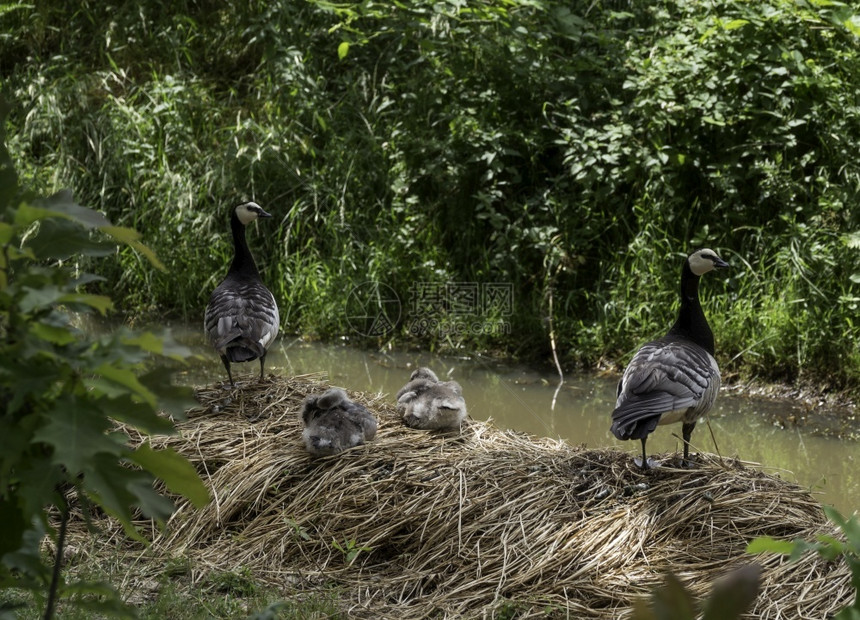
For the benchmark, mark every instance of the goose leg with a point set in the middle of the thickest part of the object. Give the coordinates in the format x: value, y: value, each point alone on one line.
x: 644, y: 464
x: 687, y: 432
x: 262, y: 361
x: 227, y: 366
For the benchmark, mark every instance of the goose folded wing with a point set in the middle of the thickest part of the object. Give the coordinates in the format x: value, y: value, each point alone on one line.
x: 659, y: 379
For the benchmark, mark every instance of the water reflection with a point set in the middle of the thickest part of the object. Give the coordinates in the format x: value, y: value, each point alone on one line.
x: 521, y: 399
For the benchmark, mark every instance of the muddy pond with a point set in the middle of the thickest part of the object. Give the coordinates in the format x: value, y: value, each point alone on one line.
x: 519, y: 398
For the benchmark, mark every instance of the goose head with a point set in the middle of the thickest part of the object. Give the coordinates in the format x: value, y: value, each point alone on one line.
x: 247, y: 212
x: 705, y: 260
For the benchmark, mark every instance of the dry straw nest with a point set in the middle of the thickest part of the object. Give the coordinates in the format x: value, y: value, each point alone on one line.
x: 468, y: 524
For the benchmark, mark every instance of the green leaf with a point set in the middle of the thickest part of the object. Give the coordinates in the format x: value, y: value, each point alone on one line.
x: 122, y: 407
x: 767, y: 544
x: 161, y: 343
x: 175, y: 470
x: 131, y: 237
x: 342, y: 50
x: 61, y: 204
x: 14, y: 526
x: 53, y: 334
x: 27, y: 559
x: 127, y: 378
x: 61, y: 239
x: 850, y: 527
x: 76, y: 431
x: 99, y: 302
x: 734, y: 595
x: 6, y: 232
x: 735, y: 24
x: 40, y: 297
x: 669, y: 601
x: 116, y: 488
x: 172, y: 399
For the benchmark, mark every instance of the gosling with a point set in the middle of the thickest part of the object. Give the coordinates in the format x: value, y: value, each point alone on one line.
x: 333, y: 423
x: 425, y: 403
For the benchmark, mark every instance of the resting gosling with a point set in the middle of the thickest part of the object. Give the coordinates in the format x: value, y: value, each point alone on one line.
x: 242, y: 318
x: 334, y: 423
x: 426, y: 403
x: 674, y: 378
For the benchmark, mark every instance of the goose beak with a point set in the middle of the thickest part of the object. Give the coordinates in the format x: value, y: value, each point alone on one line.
x: 263, y: 214
x: 719, y: 262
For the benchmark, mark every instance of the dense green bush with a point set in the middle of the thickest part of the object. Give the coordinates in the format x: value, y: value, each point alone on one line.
x: 62, y: 390
x: 572, y: 149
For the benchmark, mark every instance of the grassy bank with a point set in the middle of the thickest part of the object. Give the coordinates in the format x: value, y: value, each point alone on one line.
x: 570, y: 153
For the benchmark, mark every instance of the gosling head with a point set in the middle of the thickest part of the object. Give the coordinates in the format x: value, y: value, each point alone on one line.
x: 319, y: 403
x: 705, y: 260
x: 424, y: 373
x: 249, y: 211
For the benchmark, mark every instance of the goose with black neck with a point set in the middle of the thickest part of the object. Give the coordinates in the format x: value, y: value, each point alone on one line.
x: 242, y: 319
x: 674, y: 378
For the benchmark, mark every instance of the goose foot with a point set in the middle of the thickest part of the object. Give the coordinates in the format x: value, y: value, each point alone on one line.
x: 688, y: 463
x: 651, y: 463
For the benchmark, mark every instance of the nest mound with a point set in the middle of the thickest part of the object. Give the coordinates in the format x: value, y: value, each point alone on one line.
x: 420, y: 524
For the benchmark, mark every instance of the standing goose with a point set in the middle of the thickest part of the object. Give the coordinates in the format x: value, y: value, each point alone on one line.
x: 674, y: 378
x: 242, y: 318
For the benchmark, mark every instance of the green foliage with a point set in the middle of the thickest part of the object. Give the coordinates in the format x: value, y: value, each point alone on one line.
x: 827, y: 547
x: 350, y: 549
x: 729, y: 599
x: 62, y: 390
x: 581, y: 148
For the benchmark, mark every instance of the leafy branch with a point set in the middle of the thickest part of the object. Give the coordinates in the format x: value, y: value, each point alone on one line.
x: 70, y: 398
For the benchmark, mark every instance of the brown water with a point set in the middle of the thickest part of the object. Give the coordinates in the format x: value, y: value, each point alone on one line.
x: 518, y: 398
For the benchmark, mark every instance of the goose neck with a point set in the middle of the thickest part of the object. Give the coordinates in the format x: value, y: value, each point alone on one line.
x: 691, y: 323
x: 243, y: 262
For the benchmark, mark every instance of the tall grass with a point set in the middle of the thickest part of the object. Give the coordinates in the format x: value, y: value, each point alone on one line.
x: 579, y: 149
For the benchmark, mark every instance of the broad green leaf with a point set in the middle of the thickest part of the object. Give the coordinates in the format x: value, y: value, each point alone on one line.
x: 76, y: 431
x: 669, y: 601
x: 850, y: 527
x: 172, y: 399
x: 126, y: 377
x: 99, y: 302
x: 767, y: 544
x: 27, y: 559
x: 175, y: 470
x: 733, y: 596
x: 14, y: 526
x: 131, y: 237
x: 62, y: 239
x: 162, y: 343
x: 56, y: 335
x: 735, y: 24
x: 117, y: 489
x: 6, y: 232
x: 123, y: 408
x: 61, y: 204
x: 40, y: 297
x: 342, y: 50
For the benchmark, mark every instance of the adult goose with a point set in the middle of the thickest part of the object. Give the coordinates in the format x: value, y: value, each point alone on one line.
x: 242, y: 318
x: 674, y: 378
x: 426, y: 403
x: 334, y: 423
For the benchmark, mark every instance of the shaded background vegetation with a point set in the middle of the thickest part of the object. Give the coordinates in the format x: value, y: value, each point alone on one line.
x: 576, y: 150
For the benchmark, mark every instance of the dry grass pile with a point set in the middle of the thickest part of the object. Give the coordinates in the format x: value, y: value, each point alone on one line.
x: 417, y: 524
